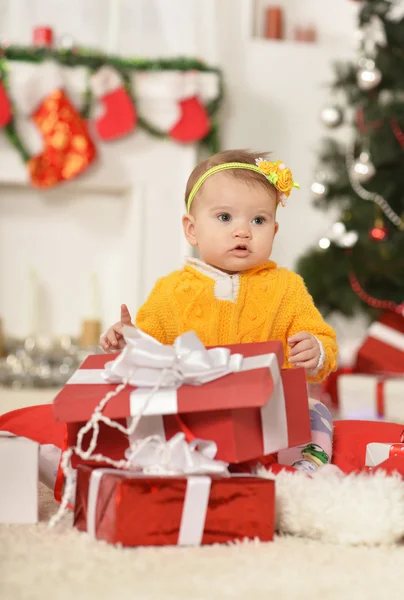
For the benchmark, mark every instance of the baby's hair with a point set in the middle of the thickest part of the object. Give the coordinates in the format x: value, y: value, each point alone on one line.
x: 242, y: 156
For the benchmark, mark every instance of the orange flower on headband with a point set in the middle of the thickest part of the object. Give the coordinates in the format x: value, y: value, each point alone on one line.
x: 285, y: 182
x: 279, y: 175
x: 267, y: 167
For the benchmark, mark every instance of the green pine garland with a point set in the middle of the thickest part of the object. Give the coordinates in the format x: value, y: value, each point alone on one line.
x: 93, y: 61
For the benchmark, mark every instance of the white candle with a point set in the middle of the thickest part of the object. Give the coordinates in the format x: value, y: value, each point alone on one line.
x: 114, y: 15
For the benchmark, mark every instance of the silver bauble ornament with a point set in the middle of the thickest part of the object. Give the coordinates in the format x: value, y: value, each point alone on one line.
x: 324, y: 243
x: 319, y: 190
x: 332, y: 116
x: 368, y: 76
x: 349, y: 239
x: 67, y: 42
x: 363, y: 169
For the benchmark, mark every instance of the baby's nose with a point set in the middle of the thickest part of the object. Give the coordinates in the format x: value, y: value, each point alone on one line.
x: 242, y: 232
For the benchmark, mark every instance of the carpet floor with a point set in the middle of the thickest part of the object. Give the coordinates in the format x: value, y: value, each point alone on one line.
x: 62, y: 564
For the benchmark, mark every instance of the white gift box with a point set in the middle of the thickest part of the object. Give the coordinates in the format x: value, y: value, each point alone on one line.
x: 370, y: 397
x: 49, y: 458
x: 377, y: 453
x: 18, y: 479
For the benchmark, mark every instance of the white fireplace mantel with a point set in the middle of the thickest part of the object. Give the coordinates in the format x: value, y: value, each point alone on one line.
x: 121, y: 220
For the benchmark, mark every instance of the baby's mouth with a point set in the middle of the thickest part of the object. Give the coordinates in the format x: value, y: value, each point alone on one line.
x: 240, y: 250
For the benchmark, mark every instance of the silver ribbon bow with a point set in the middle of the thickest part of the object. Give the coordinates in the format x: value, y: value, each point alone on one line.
x: 145, y: 362
x: 155, y: 456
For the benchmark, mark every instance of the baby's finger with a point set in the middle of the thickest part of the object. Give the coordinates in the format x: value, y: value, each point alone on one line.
x: 302, y: 357
x: 104, y: 344
x: 310, y: 364
x: 121, y: 343
x: 298, y: 337
x: 112, y: 337
x: 126, y: 318
x: 300, y: 347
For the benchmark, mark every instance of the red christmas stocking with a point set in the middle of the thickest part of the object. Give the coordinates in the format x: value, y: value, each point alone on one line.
x: 68, y: 149
x: 194, y: 123
x: 5, y: 106
x: 119, y: 116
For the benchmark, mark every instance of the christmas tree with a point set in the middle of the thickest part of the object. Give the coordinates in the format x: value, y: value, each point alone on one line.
x: 358, y: 266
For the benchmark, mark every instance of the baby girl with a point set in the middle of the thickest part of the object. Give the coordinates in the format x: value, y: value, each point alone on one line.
x: 233, y: 293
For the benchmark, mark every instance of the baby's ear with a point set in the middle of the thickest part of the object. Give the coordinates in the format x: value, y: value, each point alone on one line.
x: 276, y: 227
x: 188, y: 223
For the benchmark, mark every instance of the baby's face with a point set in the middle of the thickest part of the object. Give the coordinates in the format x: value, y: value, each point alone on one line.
x: 232, y: 224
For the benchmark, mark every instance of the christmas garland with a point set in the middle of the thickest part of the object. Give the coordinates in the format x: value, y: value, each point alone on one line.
x: 95, y: 60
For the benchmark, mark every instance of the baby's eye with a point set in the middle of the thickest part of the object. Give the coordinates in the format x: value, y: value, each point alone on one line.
x: 225, y: 217
x: 259, y: 220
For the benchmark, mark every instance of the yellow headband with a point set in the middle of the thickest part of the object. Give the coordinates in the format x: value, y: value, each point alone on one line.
x: 276, y: 173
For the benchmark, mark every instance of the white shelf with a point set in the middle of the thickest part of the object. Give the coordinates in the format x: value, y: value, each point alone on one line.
x: 294, y: 54
x: 306, y: 13
x: 289, y: 45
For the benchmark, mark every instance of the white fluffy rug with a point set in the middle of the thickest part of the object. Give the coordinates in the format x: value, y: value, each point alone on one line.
x: 345, y: 509
x: 62, y: 564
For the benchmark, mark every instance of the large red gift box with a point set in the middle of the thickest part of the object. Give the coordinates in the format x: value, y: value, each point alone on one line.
x: 248, y: 414
x: 383, y: 349
x: 138, y: 510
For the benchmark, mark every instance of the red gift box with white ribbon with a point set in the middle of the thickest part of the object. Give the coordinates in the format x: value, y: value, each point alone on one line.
x: 254, y: 408
x: 173, y: 493
x: 378, y: 453
x: 371, y: 397
x: 383, y: 349
x: 138, y: 510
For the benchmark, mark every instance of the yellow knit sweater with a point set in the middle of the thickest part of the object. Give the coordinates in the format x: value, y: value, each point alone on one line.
x: 268, y: 303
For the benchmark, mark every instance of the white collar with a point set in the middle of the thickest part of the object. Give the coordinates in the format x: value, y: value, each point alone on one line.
x: 208, y: 270
x: 226, y: 286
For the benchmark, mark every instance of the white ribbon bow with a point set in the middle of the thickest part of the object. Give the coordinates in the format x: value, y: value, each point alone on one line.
x: 145, y: 362
x: 155, y: 456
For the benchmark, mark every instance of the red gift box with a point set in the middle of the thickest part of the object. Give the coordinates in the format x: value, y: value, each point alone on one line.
x: 378, y: 453
x: 394, y: 464
x: 248, y: 414
x: 137, y: 510
x: 383, y: 349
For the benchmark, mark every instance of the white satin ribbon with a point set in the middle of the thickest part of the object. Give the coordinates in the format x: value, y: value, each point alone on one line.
x: 144, y: 359
x: 194, y: 511
x: 154, y: 456
x: 388, y: 335
x: 273, y: 414
x: 376, y: 453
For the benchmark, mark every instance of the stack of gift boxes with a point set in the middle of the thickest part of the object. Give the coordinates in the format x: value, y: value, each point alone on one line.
x: 163, y: 462
x: 248, y: 409
x: 373, y: 388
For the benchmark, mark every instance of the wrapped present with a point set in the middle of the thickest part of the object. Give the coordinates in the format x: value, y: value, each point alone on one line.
x: 394, y: 464
x: 371, y: 397
x: 329, y: 387
x: 378, y: 453
x: 134, y: 508
x: 19, y: 479
x: 237, y: 396
x: 383, y: 348
x: 51, y: 474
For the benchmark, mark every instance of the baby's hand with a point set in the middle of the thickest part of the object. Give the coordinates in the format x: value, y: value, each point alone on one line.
x: 112, y: 339
x: 305, y: 350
